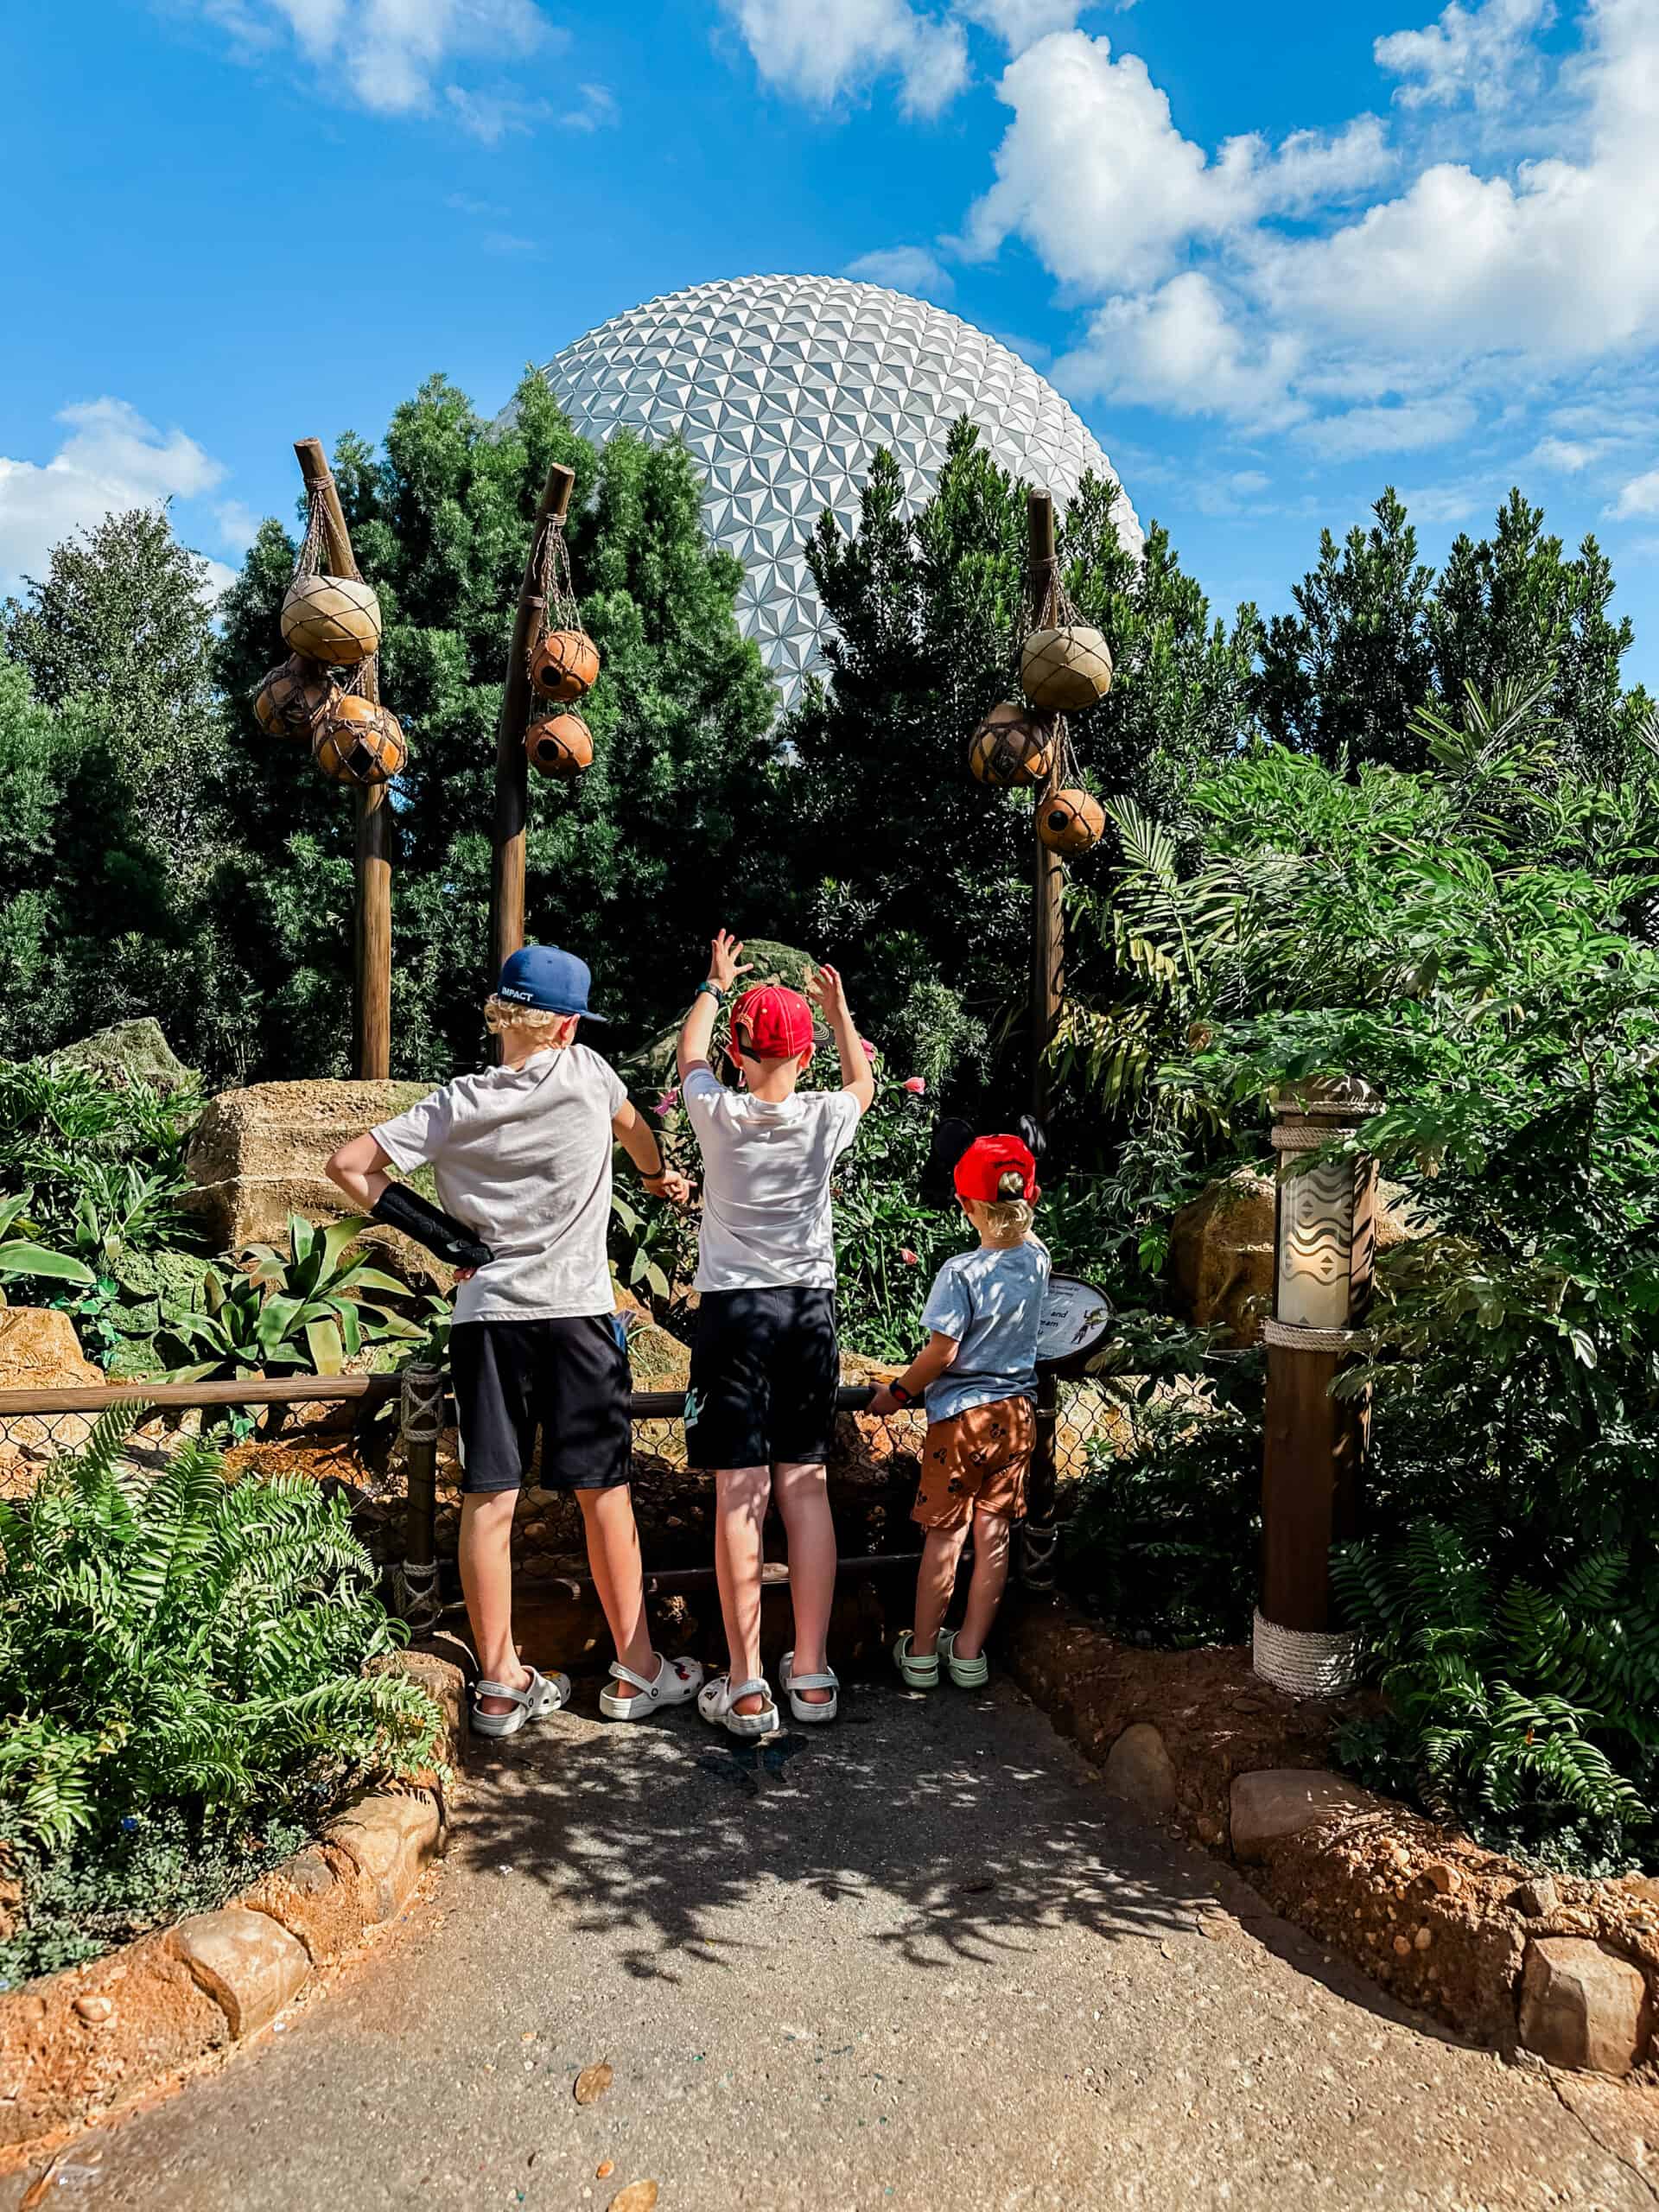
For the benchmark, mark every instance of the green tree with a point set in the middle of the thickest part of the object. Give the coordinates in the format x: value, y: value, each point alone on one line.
x: 1342, y: 676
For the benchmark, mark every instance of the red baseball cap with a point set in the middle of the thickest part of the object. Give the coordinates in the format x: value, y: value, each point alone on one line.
x: 982, y: 1167
x: 771, y: 1023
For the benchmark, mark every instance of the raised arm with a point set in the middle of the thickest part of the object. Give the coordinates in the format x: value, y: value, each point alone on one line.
x: 828, y: 991
x: 726, y: 965
x: 638, y: 1140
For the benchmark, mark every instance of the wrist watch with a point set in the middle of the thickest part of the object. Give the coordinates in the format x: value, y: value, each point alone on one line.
x: 905, y: 1397
x: 712, y: 988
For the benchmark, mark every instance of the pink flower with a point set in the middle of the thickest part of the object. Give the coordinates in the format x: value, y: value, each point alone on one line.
x: 870, y: 1052
x: 916, y: 1084
x: 666, y: 1103
x: 909, y: 1257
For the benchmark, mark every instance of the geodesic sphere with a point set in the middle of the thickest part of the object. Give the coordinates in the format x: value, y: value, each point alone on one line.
x: 564, y: 664
x: 1011, y: 746
x: 1065, y: 669
x: 561, y: 746
x: 358, y: 743
x: 1069, y: 821
x: 294, y: 698
x: 336, y: 619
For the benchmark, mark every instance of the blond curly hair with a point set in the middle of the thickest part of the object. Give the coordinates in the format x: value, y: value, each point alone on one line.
x: 1009, y: 1217
x: 502, y: 1014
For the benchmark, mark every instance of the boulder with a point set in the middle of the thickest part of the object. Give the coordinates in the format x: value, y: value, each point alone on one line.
x: 1275, y: 1804
x: 1222, y: 1249
x: 1583, y: 2005
x: 257, y: 1156
x: 40, y: 1351
x: 129, y: 1051
x: 1140, y: 1770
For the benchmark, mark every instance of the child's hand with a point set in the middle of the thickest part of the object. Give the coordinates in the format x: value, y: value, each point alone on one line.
x: 670, y: 1185
x: 726, y: 961
x: 826, y: 990
x: 884, y: 1402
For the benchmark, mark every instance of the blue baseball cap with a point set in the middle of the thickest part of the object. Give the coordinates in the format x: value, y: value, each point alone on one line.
x: 542, y: 976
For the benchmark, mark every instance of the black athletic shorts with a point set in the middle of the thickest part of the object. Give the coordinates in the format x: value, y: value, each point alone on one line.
x: 765, y: 1370
x: 568, y: 1378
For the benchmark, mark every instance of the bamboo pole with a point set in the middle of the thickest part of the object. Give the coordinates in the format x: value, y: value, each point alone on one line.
x: 511, y: 768
x: 372, y: 931
x: 1047, y: 914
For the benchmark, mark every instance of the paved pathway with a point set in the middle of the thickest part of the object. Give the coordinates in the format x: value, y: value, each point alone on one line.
x: 919, y: 1961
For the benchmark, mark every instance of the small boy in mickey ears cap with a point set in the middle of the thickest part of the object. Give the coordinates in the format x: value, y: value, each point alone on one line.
x: 521, y: 1155
x: 765, y: 1363
x: 978, y: 1375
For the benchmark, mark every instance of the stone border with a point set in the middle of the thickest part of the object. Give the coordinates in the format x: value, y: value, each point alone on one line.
x: 82, y: 2044
x: 1566, y: 1968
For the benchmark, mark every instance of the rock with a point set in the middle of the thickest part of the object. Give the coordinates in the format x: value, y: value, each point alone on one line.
x: 1537, y: 1899
x: 248, y: 1964
x: 391, y: 1841
x: 257, y: 1156
x: 40, y: 1351
x: 1140, y: 1770
x: 1221, y: 1250
x: 1582, y: 2005
x: 1446, y: 1879
x: 1277, y: 1802
x: 95, y: 2011
x: 129, y: 1051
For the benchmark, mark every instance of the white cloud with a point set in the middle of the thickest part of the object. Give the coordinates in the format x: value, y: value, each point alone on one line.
x: 1409, y: 428
x: 905, y: 268
x: 1093, y: 175
x: 394, y: 56
x: 237, y: 526
x: 1639, y: 496
x: 1020, y: 24
x: 1178, y: 349
x: 1484, y: 54
x: 112, y: 461
x: 819, y: 49
x: 1565, y: 456
x: 597, y: 108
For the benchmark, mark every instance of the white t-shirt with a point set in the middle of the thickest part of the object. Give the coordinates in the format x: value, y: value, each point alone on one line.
x: 523, y: 1157
x: 766, y: 1184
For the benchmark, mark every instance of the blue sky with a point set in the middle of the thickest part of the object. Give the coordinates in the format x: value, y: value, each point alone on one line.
x: 1278, y: 254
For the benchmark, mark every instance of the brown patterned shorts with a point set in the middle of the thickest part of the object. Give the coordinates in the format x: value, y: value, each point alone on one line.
x: 976, y: 1462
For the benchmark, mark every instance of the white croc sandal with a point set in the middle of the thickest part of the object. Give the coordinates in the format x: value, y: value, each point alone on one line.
x: 803, y: 1708
x: 541, y: 1694
x: 916, y: 1673
x: 677, y: 1680
x: 716, y: 1698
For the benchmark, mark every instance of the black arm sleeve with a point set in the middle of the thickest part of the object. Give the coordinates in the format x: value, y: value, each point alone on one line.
x: 440, y: 1234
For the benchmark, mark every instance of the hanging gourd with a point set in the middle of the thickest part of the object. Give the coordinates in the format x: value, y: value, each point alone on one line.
x: 1065, y: 668
x: 560, y: 745
x: 1071, y: 820
x: 358, y: 743
x: 564, y: 664
x: 1011, y: 746
x: 294, y: 698
x: 335, y: 618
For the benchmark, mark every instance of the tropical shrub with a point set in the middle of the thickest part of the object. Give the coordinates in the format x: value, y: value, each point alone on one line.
x: 22, y: 1257
x: 305, y: 1311
x: 182, y: 1643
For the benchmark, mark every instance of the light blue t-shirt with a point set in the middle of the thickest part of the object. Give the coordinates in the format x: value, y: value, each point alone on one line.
x: 992, y: 1303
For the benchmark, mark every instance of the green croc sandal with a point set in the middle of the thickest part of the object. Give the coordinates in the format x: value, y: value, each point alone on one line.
x: 918, y: 1673
x: 966, y: 1673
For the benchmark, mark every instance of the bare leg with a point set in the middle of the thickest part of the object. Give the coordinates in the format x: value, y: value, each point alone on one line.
x: 935, y: 1580
x: 486, y: 1583
x: 614, y: 1555
x: 740, y: 1497
x: 992, y: 1533
x: 803, y: 1502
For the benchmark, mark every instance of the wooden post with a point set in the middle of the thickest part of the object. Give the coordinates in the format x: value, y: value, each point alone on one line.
x: 371, y: 934
x: 511, y: 768
x: 1315, y: 1444
x: 423, y: 1423
x: 1047, y: 914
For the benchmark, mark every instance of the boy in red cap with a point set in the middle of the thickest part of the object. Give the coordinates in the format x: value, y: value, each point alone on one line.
x: 978, y: 1375
x: 765, y: 1363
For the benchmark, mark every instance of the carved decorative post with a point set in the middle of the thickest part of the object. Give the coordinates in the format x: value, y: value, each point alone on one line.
x: 1315, y: 1443
x: 416, y: 1582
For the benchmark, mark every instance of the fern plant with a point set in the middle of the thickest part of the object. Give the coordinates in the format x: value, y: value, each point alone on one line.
x: 1537, y: 1705
x: 184, y: 1641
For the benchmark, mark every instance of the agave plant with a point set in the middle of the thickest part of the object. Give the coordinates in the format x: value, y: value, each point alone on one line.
x: 21, y: 1255
x: 306, y: 1311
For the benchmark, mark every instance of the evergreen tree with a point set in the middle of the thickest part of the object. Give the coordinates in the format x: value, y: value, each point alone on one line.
x: 1342, y: 676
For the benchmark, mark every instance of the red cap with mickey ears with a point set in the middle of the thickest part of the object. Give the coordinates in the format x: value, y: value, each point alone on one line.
x: 771, y: 1023
x: 987, y: 1160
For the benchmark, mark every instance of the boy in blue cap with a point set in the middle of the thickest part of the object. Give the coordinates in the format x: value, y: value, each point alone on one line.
x: 522, y: 1158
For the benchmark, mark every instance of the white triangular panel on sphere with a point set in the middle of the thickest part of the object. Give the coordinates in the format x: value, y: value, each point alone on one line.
x: 781, y: 387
